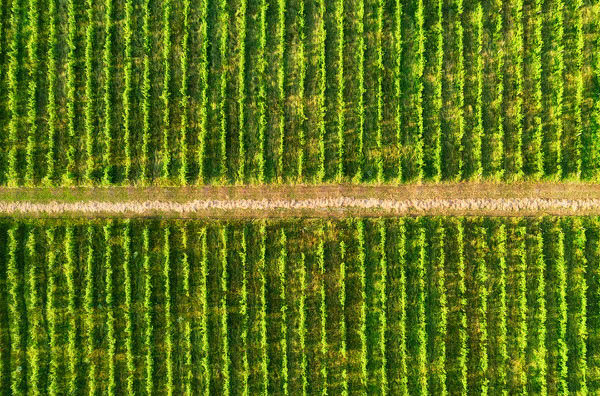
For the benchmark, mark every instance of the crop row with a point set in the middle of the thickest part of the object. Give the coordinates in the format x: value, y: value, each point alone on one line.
x: 415, y: 305
x: 285, y: 91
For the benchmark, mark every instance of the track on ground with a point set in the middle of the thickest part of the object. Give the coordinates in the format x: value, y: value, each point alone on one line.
x: 306, y: 201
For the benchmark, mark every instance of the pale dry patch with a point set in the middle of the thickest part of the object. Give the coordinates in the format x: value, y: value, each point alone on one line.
x: 478, y: 199
x: 328, y: 207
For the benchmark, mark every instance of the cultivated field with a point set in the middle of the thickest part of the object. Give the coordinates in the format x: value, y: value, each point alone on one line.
x: 252, y: 91
x: 343, y: 118
x: 409, y: 304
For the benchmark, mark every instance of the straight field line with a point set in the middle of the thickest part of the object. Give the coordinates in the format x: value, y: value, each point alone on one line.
x: 479, y: 199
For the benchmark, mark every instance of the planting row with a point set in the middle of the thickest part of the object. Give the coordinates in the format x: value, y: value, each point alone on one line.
x: 177, y: 92
x: 416, y: 305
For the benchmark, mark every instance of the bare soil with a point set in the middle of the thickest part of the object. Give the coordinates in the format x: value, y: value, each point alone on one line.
x: 477, y: 199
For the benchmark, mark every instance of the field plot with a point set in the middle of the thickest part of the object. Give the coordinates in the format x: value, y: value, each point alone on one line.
x: 407, y: 305
x: 180, y: 92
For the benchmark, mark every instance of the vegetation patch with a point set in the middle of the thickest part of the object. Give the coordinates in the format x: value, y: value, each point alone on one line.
x: 429, y: 304
x: 173, y: 93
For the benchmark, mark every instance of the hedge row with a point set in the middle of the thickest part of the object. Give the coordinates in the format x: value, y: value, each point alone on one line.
x: 251, y: 92
x: 437, y: 305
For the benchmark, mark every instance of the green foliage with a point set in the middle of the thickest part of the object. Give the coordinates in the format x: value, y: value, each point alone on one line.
x: 110, y: 319
x: 443, y: 305
x: 145, y: 161
x: 391, y: 47
x: 202, y: 322
x: 215, y: 155
x: 395, y: 288
x: 4, y: 118
x: 254, y: 137
x: 182, y: 300
x: 334, y: 273
x: 237, y: 306
x: 435, y: 305
x: 169, y: 324
x: 32, y: 103
x: 375, y: 299
x: 73, y: 350
x: 294, y: 75
x: 16, y: 312
x: 556, y: 305
x: 411, y: 87
x: 89, y: 305
x: 496, y: 303
x: 127, y: 274
x: 148, y: 334
x: 535, y: 353
x: 281, y: 269
x: 592, y: 257
x: 372, y: 170
x: 354, y: 304
x: 576, y: 305
x: 334, y: 90
x: 256, y: 289
x: 492, y: 147
x: 51, y: 317
x: 276, y: 309
x: 590, y: 105
x: 108, y: 127
x: 512, y: 102
x: 89, y: 98
x: 70, y: 176
x: 314, y: 93
x: 573, y: 90
x: 222, y: 305
x: 34, y: 303
x: 128, y: 89
x: 476, y: 279
x: 234, y: 96
x: 274, y: 90
x: 532, y: 89
x: 203, y: 84
x: 432, y: 89
x: 453, y: 83
x: 353, y: 69
x: 323, y: 313
x: 473, y: 87
x: 456, y: 326
x: 516, y: 307
x: 166, y: 92
x: 14, y: 97
x: 250, y: 92
x: 295, y: 298
x: 552, y: 87
x: 416, y: 335
x: 316, y: 372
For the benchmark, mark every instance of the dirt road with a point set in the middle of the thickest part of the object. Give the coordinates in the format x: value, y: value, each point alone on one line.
x: 521, y: 199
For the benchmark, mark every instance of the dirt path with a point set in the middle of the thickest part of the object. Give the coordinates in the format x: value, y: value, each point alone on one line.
x: 325, y: 207
x: 522, y: 199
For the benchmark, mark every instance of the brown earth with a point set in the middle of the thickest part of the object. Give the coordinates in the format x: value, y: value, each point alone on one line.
x: 478, y: 199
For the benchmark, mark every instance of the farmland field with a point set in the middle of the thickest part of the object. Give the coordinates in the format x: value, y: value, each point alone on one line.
x: 289, y: 197
x: 180, y: 92
x: 417, y: 305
